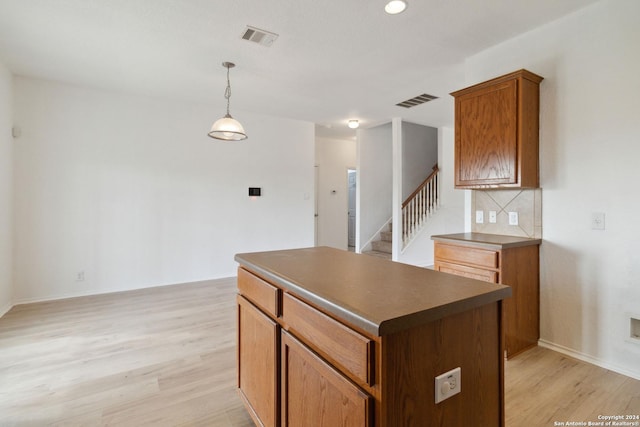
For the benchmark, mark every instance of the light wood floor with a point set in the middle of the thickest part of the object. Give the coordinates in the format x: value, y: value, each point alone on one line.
x: 166, y: 356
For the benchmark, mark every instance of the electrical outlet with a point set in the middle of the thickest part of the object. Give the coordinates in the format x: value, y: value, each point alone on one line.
x: 80, y: 276
x: 492, y: 217
x: 448, y: 384
x: 513, y: 218
x: 479, y: 217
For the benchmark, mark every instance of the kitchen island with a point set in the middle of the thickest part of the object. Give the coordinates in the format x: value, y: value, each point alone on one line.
x: 332, y: 338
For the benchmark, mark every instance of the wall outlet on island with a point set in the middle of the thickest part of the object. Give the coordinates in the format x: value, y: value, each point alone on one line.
x: 448, y: 384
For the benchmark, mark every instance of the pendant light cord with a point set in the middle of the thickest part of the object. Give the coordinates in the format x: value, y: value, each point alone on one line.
x: 227, y: 92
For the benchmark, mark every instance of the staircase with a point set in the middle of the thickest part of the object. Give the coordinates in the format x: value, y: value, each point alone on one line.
x: 382, y: 248
x: 416, y: 210
x: 419, y: 206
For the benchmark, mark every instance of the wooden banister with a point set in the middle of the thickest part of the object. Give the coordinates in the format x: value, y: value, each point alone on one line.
x: 417, y: 190
x: 420, y: 205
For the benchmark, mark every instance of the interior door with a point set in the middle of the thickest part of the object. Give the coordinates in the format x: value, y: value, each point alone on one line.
x: 351, y: 177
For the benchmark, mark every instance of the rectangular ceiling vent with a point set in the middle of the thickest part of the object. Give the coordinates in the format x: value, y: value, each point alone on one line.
x: 256, y: 35
x: 420, y: 99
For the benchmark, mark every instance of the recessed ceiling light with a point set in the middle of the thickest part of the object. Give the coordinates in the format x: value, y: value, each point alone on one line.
x: 395, y: 6
x: 353, y: 124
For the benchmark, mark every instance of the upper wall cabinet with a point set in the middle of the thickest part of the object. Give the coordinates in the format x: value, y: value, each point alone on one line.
x: 496, y: 132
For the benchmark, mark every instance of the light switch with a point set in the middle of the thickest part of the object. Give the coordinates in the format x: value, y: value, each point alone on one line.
x: 597, y: 221
x: 492, y: 217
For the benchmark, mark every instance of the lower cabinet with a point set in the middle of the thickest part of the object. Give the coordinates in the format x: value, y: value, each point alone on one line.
x: 258, y: 360
x: 300, y: 367
x: 517, y: 267
x: 314, y: 390
x: 282, y: 381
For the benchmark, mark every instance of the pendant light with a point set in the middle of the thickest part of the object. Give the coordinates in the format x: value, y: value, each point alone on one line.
x: 227, y: 128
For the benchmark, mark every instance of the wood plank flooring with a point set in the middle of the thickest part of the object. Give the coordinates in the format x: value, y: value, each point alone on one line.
x: 163, y: 356
x: 166, y: 357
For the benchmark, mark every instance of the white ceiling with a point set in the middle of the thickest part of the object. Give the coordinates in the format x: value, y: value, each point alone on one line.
x: 333, y: 60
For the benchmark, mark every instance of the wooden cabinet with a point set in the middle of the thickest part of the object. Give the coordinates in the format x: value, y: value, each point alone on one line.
x: 347, y: 349
x: 311, y: 378
x: 258, y: 348
x: 258, y: 358
x: 330, y: 370
x: 496, y: 132
x: 314, y: 390
x: 516, y: 266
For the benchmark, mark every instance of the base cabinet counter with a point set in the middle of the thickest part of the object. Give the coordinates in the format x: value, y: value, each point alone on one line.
x: 508, y: 260
x: 333, y: 338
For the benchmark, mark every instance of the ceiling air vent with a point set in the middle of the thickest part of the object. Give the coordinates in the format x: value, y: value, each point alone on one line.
x: 256, y: 35
x: 420, y: 99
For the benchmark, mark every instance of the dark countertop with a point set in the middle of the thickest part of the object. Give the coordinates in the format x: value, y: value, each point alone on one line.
x: 488, y: 241
x: 376, y: 295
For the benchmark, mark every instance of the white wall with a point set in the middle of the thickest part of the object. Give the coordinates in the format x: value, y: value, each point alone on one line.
x: 132, y: 192
x: 419, y: 155
x: 449, y: 218
x: 333, y: 158
x: 6, y: 186
x: 375, y: 181
x: 589, y: 136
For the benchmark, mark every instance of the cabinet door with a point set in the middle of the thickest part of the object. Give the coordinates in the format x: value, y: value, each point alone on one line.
x: 314, y: 394
x: 258, y: 352
x: 486, y: 136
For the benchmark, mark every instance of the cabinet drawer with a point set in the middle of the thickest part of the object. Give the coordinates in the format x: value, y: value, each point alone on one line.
x: 466, y: 255
x: 345, y: 348
x: 259, y: 292
x: 465, y: 271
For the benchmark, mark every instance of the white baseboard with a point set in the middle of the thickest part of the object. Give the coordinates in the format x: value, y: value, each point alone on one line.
x: 4, y: 310
x: 56, y: 297
x: 589, y: 359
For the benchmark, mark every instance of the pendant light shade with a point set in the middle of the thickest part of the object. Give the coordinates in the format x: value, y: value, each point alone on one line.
x: 227, y: 128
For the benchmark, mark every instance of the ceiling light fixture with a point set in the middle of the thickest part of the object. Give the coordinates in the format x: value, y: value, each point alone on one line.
x: 353, y: 124
x: 395, y: 6
x: 227, y: 128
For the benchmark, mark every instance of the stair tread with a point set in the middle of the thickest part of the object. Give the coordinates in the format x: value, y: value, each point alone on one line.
x: 382, y: 246
x: 385, y: 255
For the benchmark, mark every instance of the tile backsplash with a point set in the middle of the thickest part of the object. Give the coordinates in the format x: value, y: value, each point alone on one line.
x: 527, y: 203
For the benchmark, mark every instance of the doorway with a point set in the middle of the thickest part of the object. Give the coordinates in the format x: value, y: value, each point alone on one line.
x: 351, y: 213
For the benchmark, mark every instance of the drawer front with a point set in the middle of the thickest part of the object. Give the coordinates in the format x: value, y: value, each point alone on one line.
x: 466, y: 255
x: 259, y: 292
x: 465, y: 271
x: 342, y: 346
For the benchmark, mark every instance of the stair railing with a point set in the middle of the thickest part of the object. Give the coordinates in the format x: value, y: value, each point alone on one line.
x: 419, y: 206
